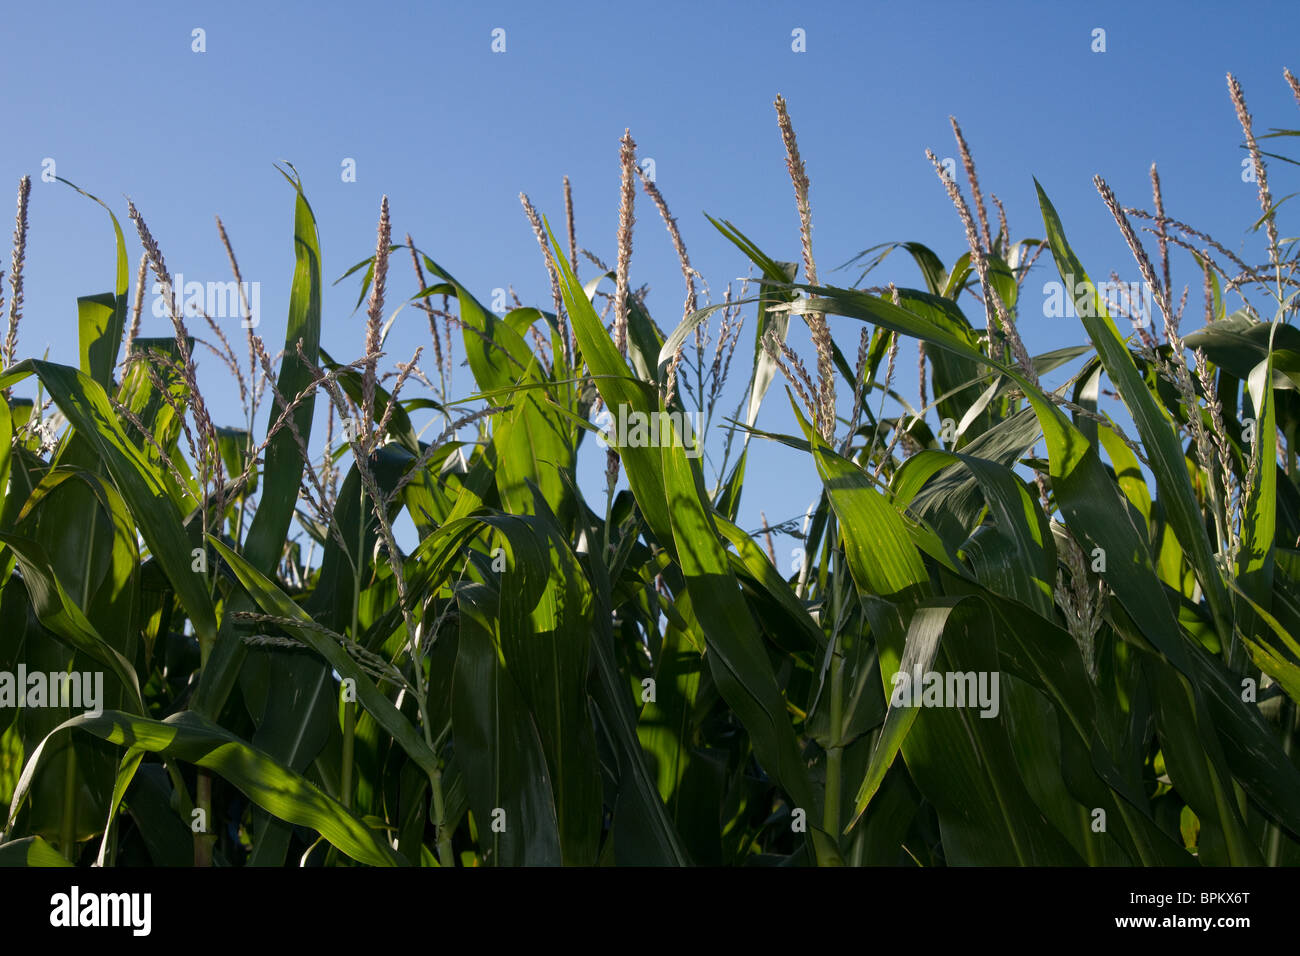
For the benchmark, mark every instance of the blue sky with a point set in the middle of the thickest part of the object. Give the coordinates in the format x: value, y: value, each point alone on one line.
x: 452, y: 132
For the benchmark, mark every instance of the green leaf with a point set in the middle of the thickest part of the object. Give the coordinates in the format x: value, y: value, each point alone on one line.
x: 1259, y: 511
x: 1238, y: 343
x: 87, y: 407
x: 498, y: 355
x: 755, y: 564
x: 736, y: 657
x: 282, y: 464
x: 60, y: 614
x: 510, y: 787
x: 30, y: 851
x: 1197, y: 766
x: 923, y: 635
x: 101, y: 319
x: 887, y: 564
x: 618, y: 387
x: 1159, y: 438
x: 191, y: 738
x: 274, y: 601
x: 1084, y: 491
x: 543, y: 631
x: 95, y: 317
x: 779, y: 273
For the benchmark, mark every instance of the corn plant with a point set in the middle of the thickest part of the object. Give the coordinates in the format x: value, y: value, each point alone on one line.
x: 1031, y: 625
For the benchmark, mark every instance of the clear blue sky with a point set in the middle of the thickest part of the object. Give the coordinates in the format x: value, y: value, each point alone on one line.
x: 453, y: 132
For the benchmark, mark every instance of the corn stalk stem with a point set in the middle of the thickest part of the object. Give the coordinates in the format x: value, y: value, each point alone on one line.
x: 203, y: 802
x: 831, y: 820
x: 68, y: 829
x: 349, y: 711
x: 835, y: 755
